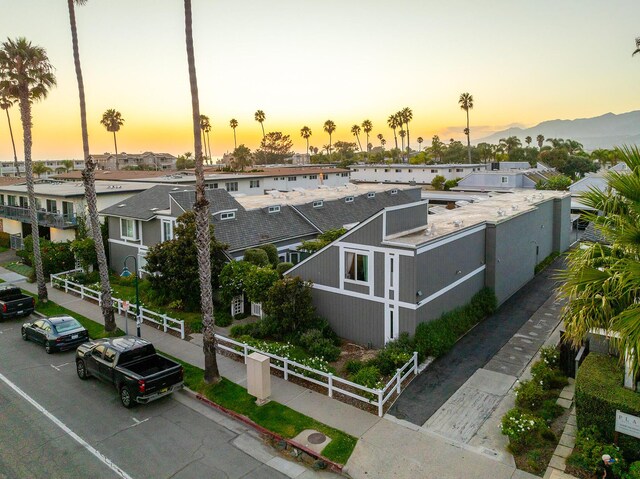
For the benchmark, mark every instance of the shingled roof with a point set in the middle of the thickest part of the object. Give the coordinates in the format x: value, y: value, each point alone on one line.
x: 337, y: 212
x: 145, y: 205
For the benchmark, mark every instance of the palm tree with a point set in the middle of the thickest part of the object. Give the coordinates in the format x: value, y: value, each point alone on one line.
x: 329, y: 126
x: 392, y: 121
x: 367, y: 126
x: 260, y: 117
x: 5, y: 104
x: 466, y: 103
x: 355, y: 131
x: 112, y: 120
x: 601, y: 281
x: 233, y: 124
x: 380, y: 138
x: 402, y: 134
x: 528, y: 140
x: 26, y: 76
x: 327, y: 148
x: 88, y: 178
x: 205, y: 127
x: 201, y: 207
x: 39, y: 168
x: 383, y: 142
x: 406, y: 115
x: 510, y: 143
x: 420, y: 140
x: 305, y: 132
x: 637, y: 50
x: 68, y: 165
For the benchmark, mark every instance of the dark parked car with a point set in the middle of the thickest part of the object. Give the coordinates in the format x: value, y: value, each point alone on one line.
x: 132, y: 365
x: 58, y: 333
x: 14, y: 303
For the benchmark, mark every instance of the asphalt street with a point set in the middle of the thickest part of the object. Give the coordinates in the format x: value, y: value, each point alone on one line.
x: 436, y: 384
x: 53, y: 425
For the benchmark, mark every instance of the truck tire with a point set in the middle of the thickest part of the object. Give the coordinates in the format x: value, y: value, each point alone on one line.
x: 81, y: 369
x: 24, y: 334
x: 126, y: 398
x: 47, y: 348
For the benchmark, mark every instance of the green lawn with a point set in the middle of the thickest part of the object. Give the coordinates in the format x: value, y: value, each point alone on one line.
x: 3, y: 249
x: 19, y: 268
x: 273, y: 416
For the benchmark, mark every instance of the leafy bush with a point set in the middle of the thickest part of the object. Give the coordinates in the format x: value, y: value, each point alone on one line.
x: 283, y: 267
x: 317, y: 345
x: 599, y: 393
x: 289, y: 307
x: 352, y: 366
x: 84, y: 251
x: 530, y: 395
x: 550, y: 410
x: 257, y: 257
x: 222, y: 317
x: 232, y: 279
x: 255, y: 330
x: 521, y: 428
x: 551, y: 356
x: 548, y: 378
x: 272, y: 254
x: 394, y: 355
x: 368, y: 376
x: 436, y: 337
x: 438, y: 182
x: 634, y: 471
x: 588, y: 451
x: 322, y: 325
x: 5, y: 239
x: 56, y: 257
x: 258, y: 281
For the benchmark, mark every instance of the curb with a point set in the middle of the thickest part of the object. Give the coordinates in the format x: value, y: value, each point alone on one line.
x: 334, y: 466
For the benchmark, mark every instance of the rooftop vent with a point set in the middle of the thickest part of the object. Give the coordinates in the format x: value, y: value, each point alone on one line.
x: 121, y: 205
x: 175, y: 189
x: 514, y: 207
x: 154, y: 209
x: 458, y: 223
x: 431, y: 230
x: 501, y: 212
x: 462, y: 203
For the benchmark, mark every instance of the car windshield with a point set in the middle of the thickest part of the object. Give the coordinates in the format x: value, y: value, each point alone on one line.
x: 67, y: 325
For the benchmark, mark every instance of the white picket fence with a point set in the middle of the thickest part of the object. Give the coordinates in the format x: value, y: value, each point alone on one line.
x: 167, y: 322
x: 334, y: 384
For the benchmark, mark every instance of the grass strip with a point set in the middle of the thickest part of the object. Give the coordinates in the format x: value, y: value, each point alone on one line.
x: 273, y: 416
x: 19, y: 268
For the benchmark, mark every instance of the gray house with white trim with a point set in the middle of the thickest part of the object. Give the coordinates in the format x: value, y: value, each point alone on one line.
x: 402, y: 267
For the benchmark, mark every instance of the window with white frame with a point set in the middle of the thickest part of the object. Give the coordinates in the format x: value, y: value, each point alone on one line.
x: 294, y: 257
x: 11, y: 200
x: 348, y: 199
x: 128, y: 229
x: 434, y: 171
x: 228, y: 215
x: 318, y: 204
x: 313, y: 177
x: 231, y: 186
x: 274, y: 209
x: 292, y: 178
x: 504, y: 179
x: 394, y: 192
x: 254, y: 184
x: 51, y: 206
x: 371, y: 195
x: 1, y: 199
x: 356, y: 266
x: 167, y: 230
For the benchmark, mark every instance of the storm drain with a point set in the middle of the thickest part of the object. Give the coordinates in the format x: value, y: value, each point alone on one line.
x: 312, y: 439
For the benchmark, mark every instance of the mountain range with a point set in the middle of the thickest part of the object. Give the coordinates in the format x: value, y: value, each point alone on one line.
x: 605, y: 131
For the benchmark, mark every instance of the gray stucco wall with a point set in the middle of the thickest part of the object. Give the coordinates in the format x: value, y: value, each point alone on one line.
x: 407, y: 279
x: 321, y: 269
x: 359, y: 320
x: 561, y: 224
x: 511, y: 249
x: 370, y: 234
x: 437, y: 268
x: 405, y: 219
x: 117, y: 254
x: 151, y: 232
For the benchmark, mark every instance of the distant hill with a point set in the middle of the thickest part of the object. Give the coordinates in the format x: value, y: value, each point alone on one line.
x: 605, y: 131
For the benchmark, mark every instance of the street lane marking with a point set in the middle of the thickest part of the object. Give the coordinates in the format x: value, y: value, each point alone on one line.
x: 101, y: 457
x: 57, y: 368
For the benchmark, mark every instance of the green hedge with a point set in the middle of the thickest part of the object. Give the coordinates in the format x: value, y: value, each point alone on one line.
x: 5, y: 240
x: 599, y: 392
x: 437, y: 337
x: 546, y: 262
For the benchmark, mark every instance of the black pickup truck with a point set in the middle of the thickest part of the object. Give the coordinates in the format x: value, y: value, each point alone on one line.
x: 132, y: 365
x: 14, y: 304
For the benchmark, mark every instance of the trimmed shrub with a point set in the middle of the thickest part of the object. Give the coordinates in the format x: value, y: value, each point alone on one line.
x: 5, y: 240
x: 272, y: 254
x: 550, y: 410
x: 521, y: 428
x: 352, y: 366
x: 438, y: 336
x: 317, y: 345
x: 222, y: 317
x: 368, y: 376
x: 530, y: 395
x: 599, y: 393
x: 283, y: 267
x: 394, y: 355
x: 588, y: 451
x: 255, y: 330
x: 634, y: 471
x: 548, y: 378
x: 551, y: 356
x: 258, y: 257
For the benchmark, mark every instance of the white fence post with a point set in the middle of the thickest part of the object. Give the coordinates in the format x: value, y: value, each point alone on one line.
x: 330, y: 381
x: 245, y: 353
x: 66, y: 286
x: 380, y: 405
x: 182, y: 329
x: 82, y: 291
x: 398, y: 381
x: 415, y: 362
x: 286, y: 369
x: 164, y: 322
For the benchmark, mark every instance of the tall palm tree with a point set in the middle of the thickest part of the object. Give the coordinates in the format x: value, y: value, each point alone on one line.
x: 329, y: 126
x: 355, y: 131
x: 528, y: 140
x: 392, y: 121
x: 68, y: 165
x: 367, y: 126
x: 305, y: 132
x: 406, y: 115
x: 637, y: 50
x: 383, y: 142
x: 27, y: 76
x: 380, y: 138
x: 466, y: 103
x: 260, y: 117
x: 601, y: 281
x: 510, y: 143
x: 112, y: 120
x: 205, y: 127
x: 233, y: 123
x: 420, y: 140
x: 88, y: 178
x: 540, y: 140
x: 402, y: 134
x: 5, y: 104
x: 201, y: 207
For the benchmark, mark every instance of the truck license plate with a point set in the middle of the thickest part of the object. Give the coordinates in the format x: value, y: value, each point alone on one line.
x: 164, y: 390
x: 21, y: 311
x: 74, y: 336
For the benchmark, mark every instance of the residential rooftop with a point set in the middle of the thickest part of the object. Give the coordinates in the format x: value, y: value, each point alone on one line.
x: 71, y: 189
x: 493, y: 210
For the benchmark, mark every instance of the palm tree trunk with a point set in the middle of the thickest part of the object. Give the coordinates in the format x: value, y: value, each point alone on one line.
x: 307, y: 147
x: 395, y: 138
x: 209, y: 147
x: 408, y: 147
x: 201, y: 207
x: 115, y: 145
x: 88, y: 177
x: 25, y: 116
x: 235, y: 143
x: 368, y: 149
x: 359, y: 145
x: 468, y: 140
x: 13, y: 143
x: 204, y: 143
x: 262, y: 125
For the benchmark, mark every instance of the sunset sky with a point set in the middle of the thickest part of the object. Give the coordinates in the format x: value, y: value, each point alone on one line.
x: 304, y: 62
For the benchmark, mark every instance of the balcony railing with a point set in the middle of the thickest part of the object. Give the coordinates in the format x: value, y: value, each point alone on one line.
x: 45, y: 218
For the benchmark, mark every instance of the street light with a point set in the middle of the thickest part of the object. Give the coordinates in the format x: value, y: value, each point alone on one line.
x: 125, y: 274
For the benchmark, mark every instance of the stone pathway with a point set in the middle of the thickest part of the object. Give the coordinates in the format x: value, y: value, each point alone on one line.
x: 557, y: 465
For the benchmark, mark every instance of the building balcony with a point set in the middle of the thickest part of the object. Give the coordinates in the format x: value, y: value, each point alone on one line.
x: 45, y: 218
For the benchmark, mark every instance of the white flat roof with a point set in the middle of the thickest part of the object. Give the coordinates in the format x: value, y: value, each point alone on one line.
x: 76, y: 188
